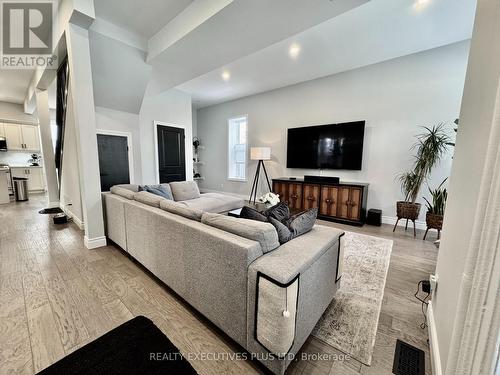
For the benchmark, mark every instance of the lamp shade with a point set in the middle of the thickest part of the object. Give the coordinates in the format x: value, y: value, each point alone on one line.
x: 260, y: 153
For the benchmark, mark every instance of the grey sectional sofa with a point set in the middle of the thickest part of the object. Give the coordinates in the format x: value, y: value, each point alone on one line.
x: 266, y: 297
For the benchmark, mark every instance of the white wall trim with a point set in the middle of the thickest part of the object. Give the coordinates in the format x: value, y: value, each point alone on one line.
x: 93, y: 243
x: 155, y: 134
x: 79, y: 222
x: 128, y: 135
x: 433, y: 341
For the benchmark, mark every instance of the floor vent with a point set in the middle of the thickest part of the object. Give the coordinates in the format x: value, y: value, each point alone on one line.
x: 408, y: 360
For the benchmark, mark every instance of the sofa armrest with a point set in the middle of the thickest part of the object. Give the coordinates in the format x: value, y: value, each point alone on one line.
x: 297, y: 255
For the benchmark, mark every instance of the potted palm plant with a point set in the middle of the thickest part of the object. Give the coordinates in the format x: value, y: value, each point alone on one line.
x: 429, y: 149
x: 435, y: 210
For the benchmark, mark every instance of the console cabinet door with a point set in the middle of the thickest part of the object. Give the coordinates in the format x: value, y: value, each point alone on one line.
x: 329, y: 198
x: 344, y: 202
x: 295, y: 196
x: 310, y: 196
x: 281, y: 188
x: 355, y: 203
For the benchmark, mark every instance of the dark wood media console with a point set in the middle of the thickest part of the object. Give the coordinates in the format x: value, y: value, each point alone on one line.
x: 344, y: 202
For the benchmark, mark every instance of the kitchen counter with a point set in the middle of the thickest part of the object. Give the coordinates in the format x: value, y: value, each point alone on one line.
x: 24, y: 166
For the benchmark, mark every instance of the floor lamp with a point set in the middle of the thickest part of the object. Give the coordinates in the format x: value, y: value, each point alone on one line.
x: 260, y: 154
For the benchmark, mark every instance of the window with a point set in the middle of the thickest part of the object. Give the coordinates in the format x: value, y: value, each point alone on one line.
x: 237, y: 148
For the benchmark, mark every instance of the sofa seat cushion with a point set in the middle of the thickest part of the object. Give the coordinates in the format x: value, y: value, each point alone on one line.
x: 150, y: 199
x: 215, y: 203
x: 184, y: 190
x: 263, y: 233
x: 122, y: 192
x: 181, y: 209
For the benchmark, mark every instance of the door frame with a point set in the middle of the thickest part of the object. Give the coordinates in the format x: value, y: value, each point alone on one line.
x: 155, y: 134
x: 129, y: 145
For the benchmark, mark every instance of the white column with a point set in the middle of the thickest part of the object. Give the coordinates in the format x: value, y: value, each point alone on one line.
x: 82, y: 95
x: 42, y: 104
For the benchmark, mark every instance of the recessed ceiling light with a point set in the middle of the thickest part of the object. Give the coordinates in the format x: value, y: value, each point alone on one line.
x: 419, y: 4
x: 294, y: 50
x: 226, y: 75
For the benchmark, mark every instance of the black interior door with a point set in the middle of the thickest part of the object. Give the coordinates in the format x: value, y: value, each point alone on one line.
x: 113, y: 160
x: 171, y: 154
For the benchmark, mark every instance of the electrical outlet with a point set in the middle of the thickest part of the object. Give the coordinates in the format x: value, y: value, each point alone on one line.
x: 433, y: 279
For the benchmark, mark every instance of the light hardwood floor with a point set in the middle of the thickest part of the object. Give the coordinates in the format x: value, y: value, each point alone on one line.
x: 56, y: 296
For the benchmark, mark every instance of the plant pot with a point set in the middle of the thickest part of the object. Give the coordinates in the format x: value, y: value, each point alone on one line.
x: 434, y: 221
x: 408, y: 210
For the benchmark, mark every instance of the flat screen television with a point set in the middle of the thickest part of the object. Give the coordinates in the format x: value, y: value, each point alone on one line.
x: 334, y: 146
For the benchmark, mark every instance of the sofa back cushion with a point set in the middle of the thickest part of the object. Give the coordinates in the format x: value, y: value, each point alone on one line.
x: 131, y: 187
x: 163, y: 190
x: 152, y: 200
x: 122, y: 192
x: 181, y: 209
x: 184, y: 190
x: 263, y: 233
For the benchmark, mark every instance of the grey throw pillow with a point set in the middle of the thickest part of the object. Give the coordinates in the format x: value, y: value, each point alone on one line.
x: 280, y: 212
x: 161, y: 190
x: 250, y: 213
x: 296, y: 226
x: 284, y: 234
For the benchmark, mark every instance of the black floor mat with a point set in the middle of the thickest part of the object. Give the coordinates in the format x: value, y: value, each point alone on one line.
x: 137, y: 347
x: 55, y: 210
x: 408, y: 360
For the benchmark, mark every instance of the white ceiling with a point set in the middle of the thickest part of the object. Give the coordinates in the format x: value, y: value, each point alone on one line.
x: 376, y: 31
x: 142, y: 17
x: 14, y: 84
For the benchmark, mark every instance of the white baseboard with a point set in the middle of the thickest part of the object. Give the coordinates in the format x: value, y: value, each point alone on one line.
x: 93, y: 243
x: 72, y: 216
x: 433, y: 341
x: 392, y: 220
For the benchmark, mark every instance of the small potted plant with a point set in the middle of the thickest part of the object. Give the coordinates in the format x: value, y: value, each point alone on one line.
x: 430, y: 147
x: 435, y: 210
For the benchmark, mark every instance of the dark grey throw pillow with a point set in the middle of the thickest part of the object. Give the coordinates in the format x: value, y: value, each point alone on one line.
x: 303, y: 222
x: 250, y: 213
x: 280, y: 212
x: 296, y: 226
x: 284, y: 234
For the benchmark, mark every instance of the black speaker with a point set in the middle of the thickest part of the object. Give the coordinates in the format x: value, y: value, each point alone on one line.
x: 374, y: 217
x: 322, y: 179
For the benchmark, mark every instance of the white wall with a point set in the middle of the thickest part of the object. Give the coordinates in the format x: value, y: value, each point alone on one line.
x: 476, y: 122
x: 172, y: 107
x: 109, y: 119
x: 70, y: 192
x: 394, y: 97
x: 15, y: 113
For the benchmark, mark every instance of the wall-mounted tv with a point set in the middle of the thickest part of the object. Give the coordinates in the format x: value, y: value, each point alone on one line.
x: 334, y: 146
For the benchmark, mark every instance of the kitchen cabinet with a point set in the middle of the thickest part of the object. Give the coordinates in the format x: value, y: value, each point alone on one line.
x: 14, y: 137
x: 35, y: 176
x: 30, y: 137
x: 2, y: 131
x: 22, y: 137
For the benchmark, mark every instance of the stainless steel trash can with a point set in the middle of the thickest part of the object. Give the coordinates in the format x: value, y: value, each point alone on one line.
x: 21, y: 189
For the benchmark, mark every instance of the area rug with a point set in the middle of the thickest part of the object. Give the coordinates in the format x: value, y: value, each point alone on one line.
x: 350, y: 322
x: 136, y: 347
